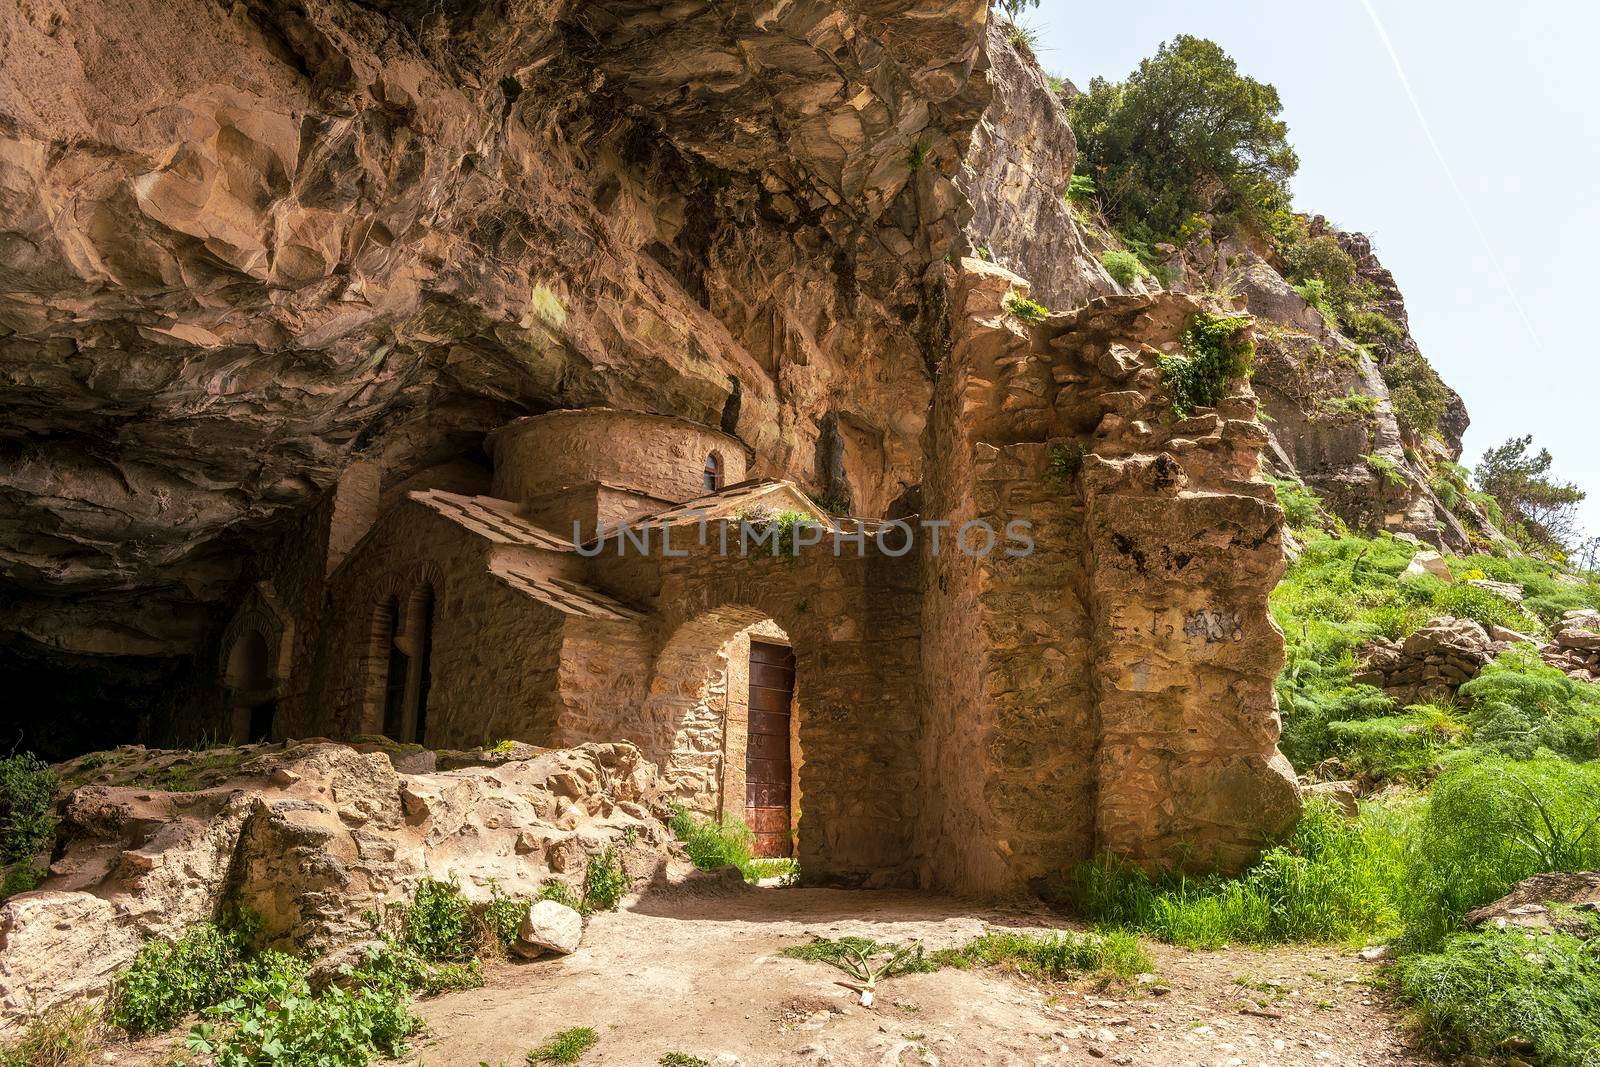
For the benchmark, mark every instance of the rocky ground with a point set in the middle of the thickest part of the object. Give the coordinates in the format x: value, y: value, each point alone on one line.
x: 701, y: 974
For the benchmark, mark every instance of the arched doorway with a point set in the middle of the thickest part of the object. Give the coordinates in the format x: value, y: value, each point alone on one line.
x: 251, y: 693
x: 403, y: 631
x: 722, y: 720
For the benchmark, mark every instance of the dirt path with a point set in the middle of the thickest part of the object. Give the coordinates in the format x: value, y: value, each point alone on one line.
x: 700, y: 974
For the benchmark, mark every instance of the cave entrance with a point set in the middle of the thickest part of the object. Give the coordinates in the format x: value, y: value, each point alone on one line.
x: 727, y: 725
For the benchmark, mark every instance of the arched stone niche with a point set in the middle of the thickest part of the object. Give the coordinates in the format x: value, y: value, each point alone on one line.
x: 256, y: 653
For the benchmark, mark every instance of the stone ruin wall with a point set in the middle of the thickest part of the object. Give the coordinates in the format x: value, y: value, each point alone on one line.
x: 1122, y: 696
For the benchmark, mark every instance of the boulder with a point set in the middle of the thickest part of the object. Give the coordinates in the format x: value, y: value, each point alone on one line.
x: 549, y: 927
x: 1540, y: 903
x: 1341, y: 794
x: 338, y: 833
x: 1428, y: 562
x: 1504, y: 590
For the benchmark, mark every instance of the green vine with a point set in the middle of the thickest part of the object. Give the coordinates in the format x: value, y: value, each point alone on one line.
x: 1217, y: 350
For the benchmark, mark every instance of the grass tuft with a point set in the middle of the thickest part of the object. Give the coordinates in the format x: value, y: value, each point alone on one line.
x: 568, y: 1046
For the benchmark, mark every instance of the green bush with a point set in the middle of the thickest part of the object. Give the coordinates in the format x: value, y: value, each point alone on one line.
x: 1489, y: 824
x: 604, y: 881
x: 169, y: 979
x: 1416, y: 392
x: 1315, y: 293
x: 1333, y: 881
x: 1025, y: 309
x: 438, y: 924
x: 21, y: 878
x: 1488, y: 993
x: 1370, y: 327
x: 1217, y: 352
x: 274, y: 1017
x: 1302, y: 507
x: 710, y: 845
x: 27, y: 786
x: 1406, y: 748
x: 1080, y: 187
x: 1521, y: 708
x: 1124, y: 267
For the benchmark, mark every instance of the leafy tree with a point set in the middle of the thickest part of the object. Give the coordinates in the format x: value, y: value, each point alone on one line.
x: 1013, y: 8
x: 1541, y: 511
x: 1185, y: 133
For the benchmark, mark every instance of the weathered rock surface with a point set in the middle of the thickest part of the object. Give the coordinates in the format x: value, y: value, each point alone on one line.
x: 1137, y: 714
x: 244, y: 246
x: 309, y: 835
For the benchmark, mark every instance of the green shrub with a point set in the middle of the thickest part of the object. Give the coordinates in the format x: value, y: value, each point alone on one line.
x: 1025, y: 309
x: 438, y: 923
x: 1489, y: 824
x: 1302, y: 507
x: 21, y: 878
x: 1371, y: 327
x: 501, y: 918
x: 1488, y: 993
x: 274, y: 1017
x: 604, y: 881
x: 27, y: 786
x: 1351, y: 403
x: 568, y: 1046
x: 1386, y: 468
x: 1416, y: 392
x: 169, y: 979
x: 1217, y: 352
x: 1521, y: 708
x: 1123, y: 266
x: 1408, y: 747
x: 1331, y: 882
x: 710, y: 845
x: 1080, y: 187
x: 1315, y: 293
x: 561, y: 893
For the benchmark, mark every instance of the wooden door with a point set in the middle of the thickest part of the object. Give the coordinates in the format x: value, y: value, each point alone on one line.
x: 766, y: 766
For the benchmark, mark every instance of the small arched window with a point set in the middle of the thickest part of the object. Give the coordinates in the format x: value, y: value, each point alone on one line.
x: 713, y: 477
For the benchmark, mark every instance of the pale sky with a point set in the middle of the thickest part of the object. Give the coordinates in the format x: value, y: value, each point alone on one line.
x: 1510, y: 94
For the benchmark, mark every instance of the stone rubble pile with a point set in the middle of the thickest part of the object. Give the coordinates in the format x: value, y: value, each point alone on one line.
x: 1430, y: 664
x: 1434, y: 662
x: 1575, y: 646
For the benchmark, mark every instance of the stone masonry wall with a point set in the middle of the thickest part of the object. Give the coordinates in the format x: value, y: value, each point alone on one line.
x: 853, y: 625
x: 495, y: 652
x: 1123, y: 693
x: 651, y: 454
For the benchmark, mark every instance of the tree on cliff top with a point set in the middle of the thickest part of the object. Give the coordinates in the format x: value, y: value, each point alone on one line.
x: 1542, y: 512
x: 1185, y: 133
